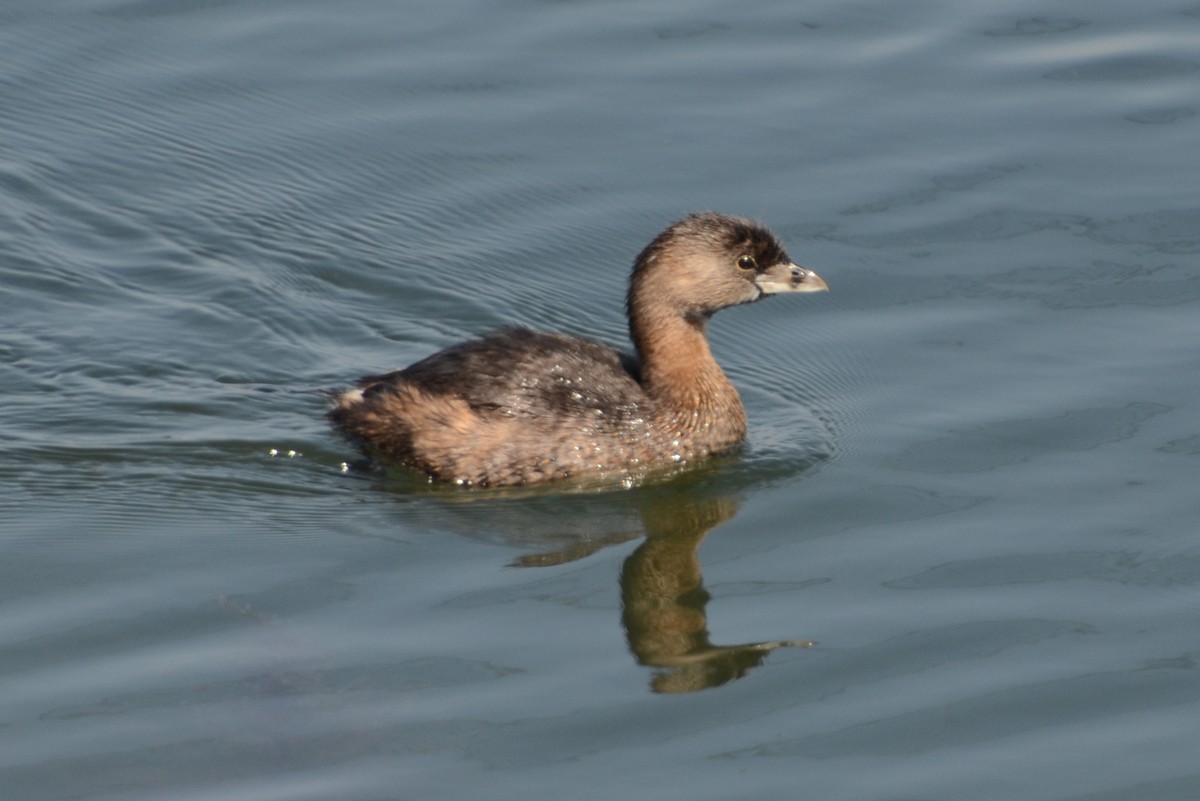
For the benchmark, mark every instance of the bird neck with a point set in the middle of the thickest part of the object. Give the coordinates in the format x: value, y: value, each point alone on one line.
x: 680, y: 373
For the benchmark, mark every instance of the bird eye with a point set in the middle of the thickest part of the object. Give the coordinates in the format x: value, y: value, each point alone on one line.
x: 747, y: 263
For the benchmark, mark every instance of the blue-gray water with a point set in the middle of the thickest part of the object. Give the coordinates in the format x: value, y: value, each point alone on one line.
x: 973, y: 466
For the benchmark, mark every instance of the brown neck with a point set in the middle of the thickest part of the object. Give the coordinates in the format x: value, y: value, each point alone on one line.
x: 680, y: 373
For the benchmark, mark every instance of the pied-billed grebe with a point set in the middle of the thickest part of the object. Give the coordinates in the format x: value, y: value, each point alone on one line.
x: 524, y: 407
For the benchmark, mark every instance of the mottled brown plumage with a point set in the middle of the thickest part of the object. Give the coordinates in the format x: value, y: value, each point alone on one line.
x: 523, y: 407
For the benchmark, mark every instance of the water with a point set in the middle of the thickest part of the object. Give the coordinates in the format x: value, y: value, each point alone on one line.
x: 959, y: 558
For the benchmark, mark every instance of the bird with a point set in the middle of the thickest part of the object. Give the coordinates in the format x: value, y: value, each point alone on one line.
x: 521, y: 407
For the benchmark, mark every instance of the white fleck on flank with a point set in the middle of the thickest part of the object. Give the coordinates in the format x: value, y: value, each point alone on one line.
x: 350, y: 397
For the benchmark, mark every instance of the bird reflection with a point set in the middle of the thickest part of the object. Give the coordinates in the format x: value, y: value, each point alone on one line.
x: 663, y: 600
x: 662, y: 587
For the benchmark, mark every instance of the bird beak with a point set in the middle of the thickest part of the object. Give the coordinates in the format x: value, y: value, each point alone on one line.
x: 790, y: 278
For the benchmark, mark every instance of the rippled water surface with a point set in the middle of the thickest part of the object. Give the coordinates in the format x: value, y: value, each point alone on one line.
x: 958, y: 559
